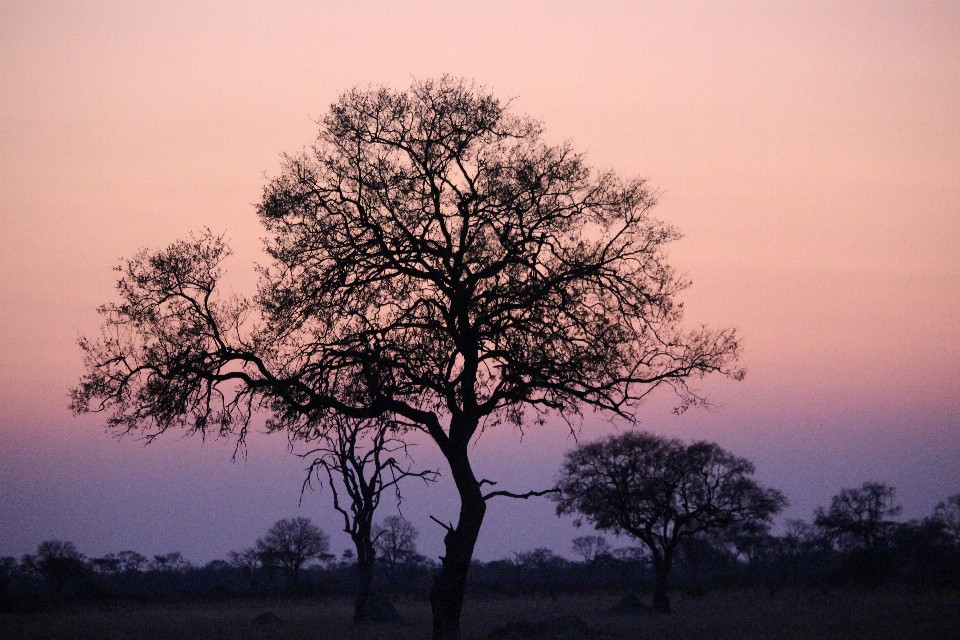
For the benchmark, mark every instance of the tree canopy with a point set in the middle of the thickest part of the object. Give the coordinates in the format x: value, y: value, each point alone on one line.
x: 292, y: 543
x: 859, y: 517
x: 661, y: 492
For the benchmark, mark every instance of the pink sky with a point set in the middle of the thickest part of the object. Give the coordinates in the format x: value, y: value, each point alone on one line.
x: 810, y: 152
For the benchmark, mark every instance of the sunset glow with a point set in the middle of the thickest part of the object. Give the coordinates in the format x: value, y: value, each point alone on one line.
x: 809, y: 152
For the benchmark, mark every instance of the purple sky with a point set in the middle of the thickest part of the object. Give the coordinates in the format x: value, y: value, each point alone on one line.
x: 810, y: 153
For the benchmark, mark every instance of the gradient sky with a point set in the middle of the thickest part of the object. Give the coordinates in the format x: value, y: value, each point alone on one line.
x: 810, y: 153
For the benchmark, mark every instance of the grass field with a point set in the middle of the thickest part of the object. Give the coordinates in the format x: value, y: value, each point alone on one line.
x: 742, y: 614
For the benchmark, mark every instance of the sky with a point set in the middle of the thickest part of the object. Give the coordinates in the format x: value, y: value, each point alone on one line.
x: 809, y: 152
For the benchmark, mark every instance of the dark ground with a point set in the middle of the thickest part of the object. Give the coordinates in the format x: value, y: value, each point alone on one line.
x: 822, y: 615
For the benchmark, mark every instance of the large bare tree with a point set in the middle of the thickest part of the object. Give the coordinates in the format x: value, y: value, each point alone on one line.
x: 434, y: 258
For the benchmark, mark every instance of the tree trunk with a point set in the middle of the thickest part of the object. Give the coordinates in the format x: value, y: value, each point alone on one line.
x: 661, y: 583
x: 365, y: 561
x: 446, y: 596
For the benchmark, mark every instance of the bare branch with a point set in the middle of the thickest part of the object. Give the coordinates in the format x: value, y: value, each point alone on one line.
x: 524, y: 496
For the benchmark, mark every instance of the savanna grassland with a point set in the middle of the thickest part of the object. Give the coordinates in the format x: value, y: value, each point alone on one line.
x: 824, y: 615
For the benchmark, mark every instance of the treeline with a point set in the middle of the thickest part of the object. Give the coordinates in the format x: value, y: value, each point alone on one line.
x: 291, y: 560
x: 855, y: 541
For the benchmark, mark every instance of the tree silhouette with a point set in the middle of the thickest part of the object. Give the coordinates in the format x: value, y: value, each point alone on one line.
x: 290, y: 544
x: 131, y: 561
x: 590, y: 547
x: 396, y: 543
x: 661, y: 492
x: 859, y: 518
x: 434, y: 259
x: 946, y: 517
x: 359, y: 458
x: 59, y: 564
x: 251, y: 565
x: 172, y: 562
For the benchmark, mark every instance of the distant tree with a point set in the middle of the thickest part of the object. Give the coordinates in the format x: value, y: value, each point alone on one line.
x: 590, y: 547
x: 362, y: 460
x: 290, y: 544
x: 859, y: 518
x: 661, y: 492
x: 539, y: 568
x: 250, y: 563
x: 434, y: 258
x: 946, y: 516
x: 799, y: 537
x: 58, y: 563
x: 8, y: 568
x: 396, y: 542
x: 172, y: 562
x: 109, y: 564
x: 631, y: 554
x: 132, y: 561
x: 749, y: 541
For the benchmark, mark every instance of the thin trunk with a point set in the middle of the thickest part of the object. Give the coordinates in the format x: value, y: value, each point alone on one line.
x: 446, y: 596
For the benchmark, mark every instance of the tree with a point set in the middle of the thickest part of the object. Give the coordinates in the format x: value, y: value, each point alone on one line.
x: 58, y: 563
x: 172, y: 562
x: 946, y: 518
x: 250, y: 564
x: 396, y: 542
x: 290, y: 544
x: 859, y: 518
x: 538, y: 569
x: 434, y: 259
x: 590, y: 547
x: 109, y: 564
x: 132, y: 561
x: 661, y: 492
x: 358, y: 457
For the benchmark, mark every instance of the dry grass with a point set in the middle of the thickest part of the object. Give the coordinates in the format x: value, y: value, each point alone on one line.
x: 744, y: 614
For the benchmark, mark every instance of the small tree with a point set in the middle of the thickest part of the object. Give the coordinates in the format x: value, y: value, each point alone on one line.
x: 590, y: 547
x: 538, y: 569
x: 250, y: 564
x: 108, y: 565
x: 859, y: 518
x: 290, y: 544
x: 661, y: 492
x: 131, y: 561
x: 396, y: 543
x: 946, y: 517
x: 359, y: 458
x: 172, y: 562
